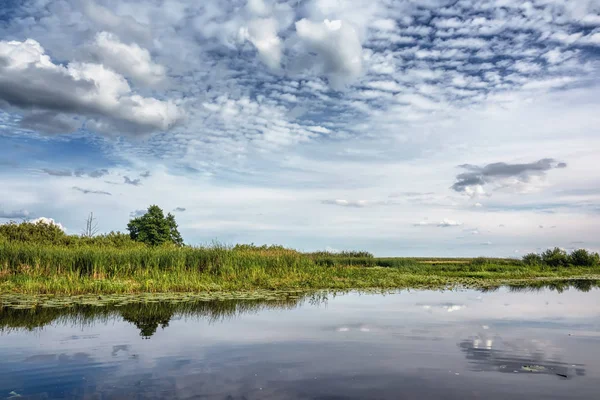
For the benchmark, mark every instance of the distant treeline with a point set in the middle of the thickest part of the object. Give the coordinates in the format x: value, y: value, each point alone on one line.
x: 557, y: 257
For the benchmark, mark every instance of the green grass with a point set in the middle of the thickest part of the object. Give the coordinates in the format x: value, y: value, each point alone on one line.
x: 31, y: 268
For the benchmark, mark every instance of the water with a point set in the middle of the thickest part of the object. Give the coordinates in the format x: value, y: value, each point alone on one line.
x: 406, y: 345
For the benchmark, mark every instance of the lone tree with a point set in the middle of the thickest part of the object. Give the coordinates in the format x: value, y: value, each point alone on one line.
x: 154, y: 228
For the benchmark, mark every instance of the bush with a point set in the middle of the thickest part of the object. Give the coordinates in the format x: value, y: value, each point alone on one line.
x: 342, y: 254
x: 583, y: 258
x: 113, y: 239
x: 555, y: 257
x: 532, y: 259
x: 39, y: 232
x: 481, y: 261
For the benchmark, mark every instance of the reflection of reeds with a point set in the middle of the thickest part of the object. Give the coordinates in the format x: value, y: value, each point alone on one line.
x: 582, y: 285
x: 36, y: 269
x: 147, y: 315
x: 149, y: 311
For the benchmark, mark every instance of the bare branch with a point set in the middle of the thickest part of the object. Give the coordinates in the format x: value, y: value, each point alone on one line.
x: 91, y: 226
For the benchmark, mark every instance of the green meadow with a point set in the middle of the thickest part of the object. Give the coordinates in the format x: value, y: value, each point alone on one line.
x: 58, y: 269
x: 41, y: 259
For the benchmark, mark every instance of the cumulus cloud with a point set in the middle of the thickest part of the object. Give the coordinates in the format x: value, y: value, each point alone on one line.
x: 445, y: 223
x: 258, y: 7
x: 131, y: 60
x: 338, y: 48
x: 89, y: 191
x: 476, y: 177
x: 29, y: 80
x: 50, y: 122
x: 48, y: 221
x: 106, y: 19
x: 262, y: 33
x: 438, y: 80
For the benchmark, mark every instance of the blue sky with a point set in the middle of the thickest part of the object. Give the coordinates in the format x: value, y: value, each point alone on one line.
x: 431, y: 127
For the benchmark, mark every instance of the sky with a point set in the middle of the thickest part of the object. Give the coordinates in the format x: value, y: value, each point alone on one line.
x: 400, y: 127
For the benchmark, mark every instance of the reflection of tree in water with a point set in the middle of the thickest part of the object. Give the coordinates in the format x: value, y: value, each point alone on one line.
x: 146, y: 316
x: 487, y: 354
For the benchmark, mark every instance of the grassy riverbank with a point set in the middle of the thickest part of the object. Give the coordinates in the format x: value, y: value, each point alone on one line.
x: 30, y: 268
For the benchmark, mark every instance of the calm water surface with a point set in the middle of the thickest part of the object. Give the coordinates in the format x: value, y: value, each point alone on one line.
x: 406, y: 345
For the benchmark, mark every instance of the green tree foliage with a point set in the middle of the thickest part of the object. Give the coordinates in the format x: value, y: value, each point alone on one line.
x: 39, y: 232
x: 559, y: 258
x: 555, y: 257
x: 113, y: 239
x: 532, y: 259
x: 154, y: 229
x: 583, y: 258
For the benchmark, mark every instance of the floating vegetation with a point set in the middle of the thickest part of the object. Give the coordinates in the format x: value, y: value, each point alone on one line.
x: 148, y: 311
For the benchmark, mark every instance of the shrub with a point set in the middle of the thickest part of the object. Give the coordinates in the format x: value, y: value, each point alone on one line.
x: 356, y: 254
x: 583, y: 258
x: 39, y: 232
x: 113, y: 239
x: 555, y: 257
x: 342, y: 254
x: 480, y: 261
x: 532, y: 259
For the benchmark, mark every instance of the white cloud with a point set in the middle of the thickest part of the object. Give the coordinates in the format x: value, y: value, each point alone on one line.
x: 445, y: 223
x: 338, y: 48
x: 48, y: 221
x: 592, y: 38
x: 390, y: 86
x: 591, y: 20
x: 265, y: 139
x: 110, y: 21
x: 384, y: 24
x: 262, y: 33
x: 469, y: 43
x: 258, y: 7
x: 128, y: 59
x: 264, y: 124
x: 347, y: 203
x: 30, y: 80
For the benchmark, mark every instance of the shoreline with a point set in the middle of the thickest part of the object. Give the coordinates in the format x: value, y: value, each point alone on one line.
x: 25, y: 295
